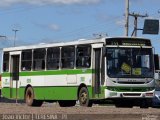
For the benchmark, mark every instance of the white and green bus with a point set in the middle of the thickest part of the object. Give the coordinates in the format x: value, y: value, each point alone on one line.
x: 90, y: 71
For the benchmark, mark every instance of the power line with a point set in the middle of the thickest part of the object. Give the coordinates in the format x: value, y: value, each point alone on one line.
x: 90, y: 28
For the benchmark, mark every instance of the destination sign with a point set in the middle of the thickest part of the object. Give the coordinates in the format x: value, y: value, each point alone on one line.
x: 132, y: 44
x: 128, y: 42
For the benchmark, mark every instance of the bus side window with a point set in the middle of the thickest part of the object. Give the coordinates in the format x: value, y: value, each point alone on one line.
x: 39, y: 59
x: 26, y: 60
x: 6, y: 62
x: 68, y: 57
x: 53, y: 55
x: 83, y: 56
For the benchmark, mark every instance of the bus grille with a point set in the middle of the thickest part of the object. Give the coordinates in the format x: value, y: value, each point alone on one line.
x: 131, y: 82
x: 131, y: 94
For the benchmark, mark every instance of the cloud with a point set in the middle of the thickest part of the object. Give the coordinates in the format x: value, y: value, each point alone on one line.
x: 52, y: 27
x: 43, y: 2
x: 120, y: 22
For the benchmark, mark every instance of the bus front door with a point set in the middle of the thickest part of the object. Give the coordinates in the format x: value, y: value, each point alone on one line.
x: 97, y: 72
x: 14, y: 76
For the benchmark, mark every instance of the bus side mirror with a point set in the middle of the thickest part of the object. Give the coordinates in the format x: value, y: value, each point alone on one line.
x: 156, y: 62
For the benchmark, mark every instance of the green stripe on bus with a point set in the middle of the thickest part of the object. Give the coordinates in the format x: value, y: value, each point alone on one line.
x: 53, y: 72
x: 47, y: 93
x: 5, y: 74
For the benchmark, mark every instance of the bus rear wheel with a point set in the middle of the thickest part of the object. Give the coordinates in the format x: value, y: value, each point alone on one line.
x: 83, y: 97
x: 29, y: 98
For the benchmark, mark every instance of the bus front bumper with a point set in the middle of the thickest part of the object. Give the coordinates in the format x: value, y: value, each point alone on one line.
x: 116, y: 94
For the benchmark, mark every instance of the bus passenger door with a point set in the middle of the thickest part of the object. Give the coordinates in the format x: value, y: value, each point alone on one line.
x: 14, y: 67
x: 97, y: 89
x: 97, y: 56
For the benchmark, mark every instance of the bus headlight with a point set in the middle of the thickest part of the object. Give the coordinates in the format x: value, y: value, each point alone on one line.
x: 113, y: 94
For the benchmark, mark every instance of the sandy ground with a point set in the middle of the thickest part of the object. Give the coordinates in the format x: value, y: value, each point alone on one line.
x: 9, y: 110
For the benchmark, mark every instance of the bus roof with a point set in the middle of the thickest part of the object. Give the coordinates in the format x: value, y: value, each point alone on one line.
x: 60, y: 44
x: 70, y: 43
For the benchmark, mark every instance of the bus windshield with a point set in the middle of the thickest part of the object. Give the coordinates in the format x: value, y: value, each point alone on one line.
x: 129, y: 62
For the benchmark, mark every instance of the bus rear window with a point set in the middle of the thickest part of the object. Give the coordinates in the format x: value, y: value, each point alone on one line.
x: 6, y: 62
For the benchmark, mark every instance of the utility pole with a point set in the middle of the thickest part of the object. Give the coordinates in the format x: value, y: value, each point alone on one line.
x: 15, y: 31
x: 127, y: 18
x: 136, y: 16
x: 136, y: 22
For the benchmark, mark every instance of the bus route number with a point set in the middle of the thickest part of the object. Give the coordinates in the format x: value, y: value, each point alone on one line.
x: 28, y: 80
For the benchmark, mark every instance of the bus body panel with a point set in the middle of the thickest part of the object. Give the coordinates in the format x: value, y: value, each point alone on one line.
x: 50, y: 87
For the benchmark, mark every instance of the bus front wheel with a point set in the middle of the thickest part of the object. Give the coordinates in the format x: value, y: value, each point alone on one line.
x: 83, y: 97
x: 29, y: 98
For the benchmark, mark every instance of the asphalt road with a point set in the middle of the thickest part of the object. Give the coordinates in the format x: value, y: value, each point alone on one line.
x: 9, y: 110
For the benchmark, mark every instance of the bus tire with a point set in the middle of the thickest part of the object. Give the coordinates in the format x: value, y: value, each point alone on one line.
x: 67, y: 103
x: 29, y: 98
x: 83, y: 97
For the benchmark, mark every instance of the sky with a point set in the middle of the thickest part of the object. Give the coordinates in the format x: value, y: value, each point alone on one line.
x: 48, y: 21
